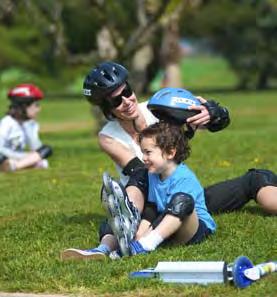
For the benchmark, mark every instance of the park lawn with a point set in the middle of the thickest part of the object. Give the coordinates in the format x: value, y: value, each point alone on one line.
x: 43, y: 212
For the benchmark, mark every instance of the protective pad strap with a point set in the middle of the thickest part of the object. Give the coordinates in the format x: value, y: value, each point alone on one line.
x: 132, y: 165
x: 150, y: 212
x: 219, y: 116
x: 181, y: 205
x: 45, y: 151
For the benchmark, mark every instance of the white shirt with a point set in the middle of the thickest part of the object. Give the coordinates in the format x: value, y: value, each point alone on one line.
x: 16, y: 137
x: 114, y: 130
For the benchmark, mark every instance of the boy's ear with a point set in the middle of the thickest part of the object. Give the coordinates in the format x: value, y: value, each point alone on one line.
x: 171, y: 154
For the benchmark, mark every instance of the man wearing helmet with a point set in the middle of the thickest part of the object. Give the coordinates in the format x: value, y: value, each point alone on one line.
x: 19, y: 130
x: 107, y: 86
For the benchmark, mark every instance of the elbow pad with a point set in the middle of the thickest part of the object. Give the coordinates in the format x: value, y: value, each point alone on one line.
x: 45, y: 151
x: 220, y: 118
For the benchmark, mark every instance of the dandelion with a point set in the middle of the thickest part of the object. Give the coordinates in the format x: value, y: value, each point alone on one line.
x: 256, y: 160
x: 224, y: 163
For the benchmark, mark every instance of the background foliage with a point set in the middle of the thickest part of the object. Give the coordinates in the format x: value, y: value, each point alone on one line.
x: 55, y: 42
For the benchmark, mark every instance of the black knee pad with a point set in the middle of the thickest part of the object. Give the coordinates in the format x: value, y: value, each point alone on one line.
x: 181, y: 205
x: 104, y: 229
x: 259, y: 178
x: 2, y: 158
x: 132, y: 166
x: 139, y: 179
x: 45, y: 151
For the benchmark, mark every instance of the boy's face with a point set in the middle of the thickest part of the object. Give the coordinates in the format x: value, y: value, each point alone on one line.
x: 32, y: 110
x: 155, y: 160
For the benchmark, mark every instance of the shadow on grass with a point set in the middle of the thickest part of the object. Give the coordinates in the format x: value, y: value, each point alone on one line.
x: 255, y: 210
x: 83, y: 219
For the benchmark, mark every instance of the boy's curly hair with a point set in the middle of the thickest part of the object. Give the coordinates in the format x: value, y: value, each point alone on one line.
x: 168, y: 136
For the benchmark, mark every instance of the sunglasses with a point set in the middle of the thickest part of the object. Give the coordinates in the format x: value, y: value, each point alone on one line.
x: 116, y: 101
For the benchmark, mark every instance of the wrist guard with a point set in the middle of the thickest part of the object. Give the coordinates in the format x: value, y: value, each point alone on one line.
x: 45, y: 151
x: 219, y: 116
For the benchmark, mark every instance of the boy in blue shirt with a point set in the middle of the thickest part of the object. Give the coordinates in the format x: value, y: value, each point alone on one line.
x: 175, y: 208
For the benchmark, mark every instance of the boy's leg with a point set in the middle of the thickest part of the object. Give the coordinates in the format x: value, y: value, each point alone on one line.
x: 179, y: 221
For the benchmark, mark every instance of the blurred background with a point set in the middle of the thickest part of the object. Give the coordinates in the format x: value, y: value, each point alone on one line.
x: 201, y: 45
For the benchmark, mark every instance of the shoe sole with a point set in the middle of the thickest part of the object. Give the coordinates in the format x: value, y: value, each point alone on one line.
x: 75, y: 254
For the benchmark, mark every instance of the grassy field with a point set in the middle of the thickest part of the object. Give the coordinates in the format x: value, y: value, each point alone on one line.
x: 44, y: 212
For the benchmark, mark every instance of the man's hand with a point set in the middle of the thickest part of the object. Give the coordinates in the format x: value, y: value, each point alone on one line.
x: 201, y: 118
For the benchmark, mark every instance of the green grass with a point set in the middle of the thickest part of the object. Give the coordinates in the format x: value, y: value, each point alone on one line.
x: 206, y: 72
x: 201, y: 73
x: 44, y: 212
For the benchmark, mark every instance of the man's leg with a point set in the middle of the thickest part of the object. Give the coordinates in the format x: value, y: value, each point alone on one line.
x: 108, y: 243
x: 233, y: 194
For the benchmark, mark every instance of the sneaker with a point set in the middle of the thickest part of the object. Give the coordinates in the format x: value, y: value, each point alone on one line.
x: 43, y: 164
x: 115, y: 255
x: 124, y: 217
x: 92, y: 254
x: 136, y: 248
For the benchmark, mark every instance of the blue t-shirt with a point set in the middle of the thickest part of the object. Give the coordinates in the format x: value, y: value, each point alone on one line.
x: 181, y: 180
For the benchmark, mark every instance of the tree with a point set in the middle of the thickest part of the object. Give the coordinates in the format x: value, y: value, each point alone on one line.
x: 243, y: 32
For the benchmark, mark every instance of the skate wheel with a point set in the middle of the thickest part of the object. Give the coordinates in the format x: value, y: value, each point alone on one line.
x: 118, y: 226
x: 124, y: 248
x: 240, y: 265
x: 107, y: 182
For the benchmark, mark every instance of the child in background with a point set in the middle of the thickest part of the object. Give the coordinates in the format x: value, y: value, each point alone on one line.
x: 175, y: 209
x: 19, y: 131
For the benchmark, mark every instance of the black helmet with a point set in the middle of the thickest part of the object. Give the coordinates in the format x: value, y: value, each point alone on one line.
x: 103, y: 80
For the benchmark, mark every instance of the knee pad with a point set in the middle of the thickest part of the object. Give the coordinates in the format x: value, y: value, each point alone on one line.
x: 181, y: 205
x: 2, y: 158
x: 132, y: 166
x: 139, y: 179
x: 45, y: 151
x: 259, y: 178
x: 104, y: 229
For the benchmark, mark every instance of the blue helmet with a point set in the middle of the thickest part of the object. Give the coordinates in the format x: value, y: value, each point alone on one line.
x: 171, y: 104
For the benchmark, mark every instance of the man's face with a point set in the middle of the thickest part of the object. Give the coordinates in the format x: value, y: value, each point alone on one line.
x: 125, y: 101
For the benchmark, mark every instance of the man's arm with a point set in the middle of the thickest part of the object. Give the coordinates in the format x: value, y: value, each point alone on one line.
x: 118, y: 152
x: 212, y: 116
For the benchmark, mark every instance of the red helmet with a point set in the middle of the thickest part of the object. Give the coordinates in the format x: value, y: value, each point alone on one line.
x: 25, y: 93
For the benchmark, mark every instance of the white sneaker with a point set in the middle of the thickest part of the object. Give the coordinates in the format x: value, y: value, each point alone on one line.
x: 92, y: 254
